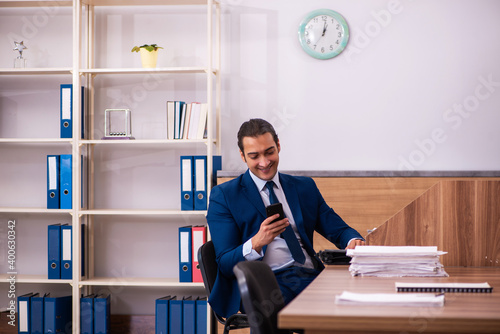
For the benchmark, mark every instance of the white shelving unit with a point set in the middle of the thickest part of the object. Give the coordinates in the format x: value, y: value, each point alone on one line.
x: 84, y: 72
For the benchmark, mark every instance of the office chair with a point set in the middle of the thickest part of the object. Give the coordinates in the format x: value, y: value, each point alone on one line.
x: 261, y: 296
x: 208, y: 268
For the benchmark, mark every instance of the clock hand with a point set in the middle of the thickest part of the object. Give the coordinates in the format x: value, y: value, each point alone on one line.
x: 324, y: 29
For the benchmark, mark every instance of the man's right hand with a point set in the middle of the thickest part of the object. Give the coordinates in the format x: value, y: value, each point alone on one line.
x: 268, y: 231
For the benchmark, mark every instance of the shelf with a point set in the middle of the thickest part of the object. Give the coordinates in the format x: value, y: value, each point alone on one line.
x: 34, y: 279
x: 25, y: 3
x: 144, y: 141
x: 134, y: 281
x: 35, y: 71
x: 35, y: 210
x: 143, y: 2
x: 140, y: 70
x: 142, y: 212
x: 37, y: 140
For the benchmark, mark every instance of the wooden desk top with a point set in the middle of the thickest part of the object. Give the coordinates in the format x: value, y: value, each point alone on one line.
x: 315, y: 310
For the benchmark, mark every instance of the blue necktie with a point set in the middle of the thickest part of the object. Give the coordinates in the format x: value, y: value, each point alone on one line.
x: 288, y: 234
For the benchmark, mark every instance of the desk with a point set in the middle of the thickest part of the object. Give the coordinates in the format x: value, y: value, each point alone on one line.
x: 315, y: 311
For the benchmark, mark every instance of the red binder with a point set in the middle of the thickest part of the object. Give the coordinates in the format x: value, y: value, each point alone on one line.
x: 199, y: 238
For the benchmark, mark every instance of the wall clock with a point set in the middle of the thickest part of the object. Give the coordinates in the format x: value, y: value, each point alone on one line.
x: 323, y: 33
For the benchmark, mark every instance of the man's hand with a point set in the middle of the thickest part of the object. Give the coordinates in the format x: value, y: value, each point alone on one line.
x: 354, y: 243
x: 268, y: 231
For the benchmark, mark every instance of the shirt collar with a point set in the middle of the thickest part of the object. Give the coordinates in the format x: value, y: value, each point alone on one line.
x: 262, y: 183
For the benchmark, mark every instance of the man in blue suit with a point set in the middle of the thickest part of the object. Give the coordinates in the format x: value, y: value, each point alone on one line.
x: 241, y: 231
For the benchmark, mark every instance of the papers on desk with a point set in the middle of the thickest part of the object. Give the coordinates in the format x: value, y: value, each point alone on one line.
x: 396, y: 261
x: 390, y: 299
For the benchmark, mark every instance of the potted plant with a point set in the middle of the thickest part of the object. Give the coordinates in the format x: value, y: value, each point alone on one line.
x: 149, y: 54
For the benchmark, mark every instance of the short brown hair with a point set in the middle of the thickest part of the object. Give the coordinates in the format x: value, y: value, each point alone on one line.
x: 253, y: 128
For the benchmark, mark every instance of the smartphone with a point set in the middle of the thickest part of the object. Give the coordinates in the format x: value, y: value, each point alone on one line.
x: 274, y: 209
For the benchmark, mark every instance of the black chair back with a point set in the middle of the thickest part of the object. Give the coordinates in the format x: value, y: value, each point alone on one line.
x: 208, y: 268
x: 261, y: 295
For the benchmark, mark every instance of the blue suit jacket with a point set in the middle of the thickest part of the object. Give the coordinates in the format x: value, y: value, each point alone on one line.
x: 234, y: 216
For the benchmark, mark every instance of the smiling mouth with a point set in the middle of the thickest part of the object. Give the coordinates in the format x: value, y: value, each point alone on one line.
x: 267, y: 169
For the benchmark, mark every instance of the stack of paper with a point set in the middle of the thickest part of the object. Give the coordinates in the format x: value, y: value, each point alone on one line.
x: 389, y: 261
x: 390, y: 299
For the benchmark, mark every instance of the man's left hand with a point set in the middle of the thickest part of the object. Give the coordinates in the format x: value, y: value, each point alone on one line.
x: 354, y: 243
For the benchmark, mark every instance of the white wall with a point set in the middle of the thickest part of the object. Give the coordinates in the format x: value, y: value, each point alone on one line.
x: 388, y: 102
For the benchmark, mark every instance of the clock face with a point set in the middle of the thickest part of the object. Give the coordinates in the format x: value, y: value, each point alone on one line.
x: 323, y: 34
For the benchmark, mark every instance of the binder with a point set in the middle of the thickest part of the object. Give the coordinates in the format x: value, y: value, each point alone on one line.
x: 57, y: 314
x: 102, y: 309
x: 66, y: 110
x: 161, y: 314
x: 200, y: 182
x: 170, y: 119
x: 199, y: 238
x: 66, y: 252
x: 216, y: 166
x: 66, y: 179
x: 54, y: 251
x: 188, y: 315
x: 202, y: 126
x: 187, y: 194
x: 37, y: 307
x: 53, y: 182
x: 66, y: 106
x: 201, y: 315
x: 179, y: 108
x: 175, y: 316
x: 87, y: 314
x: 24, y: 313
x: 185, y: 264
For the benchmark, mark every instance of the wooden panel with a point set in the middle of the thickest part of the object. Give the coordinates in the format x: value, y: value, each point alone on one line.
x: 458, y: 220
x: 460, y: 217
x: 487, y: 240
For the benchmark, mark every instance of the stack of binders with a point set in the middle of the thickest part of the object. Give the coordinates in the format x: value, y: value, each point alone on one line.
x: 60, y: 181
x: 181, y: 316
x: 39, y: 315
x: 95, y: 311
x: 194, y: 180
x: 191, y: 238
x: 60, y: 251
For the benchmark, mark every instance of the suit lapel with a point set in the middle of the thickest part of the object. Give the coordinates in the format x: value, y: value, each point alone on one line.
x: 250, y: 190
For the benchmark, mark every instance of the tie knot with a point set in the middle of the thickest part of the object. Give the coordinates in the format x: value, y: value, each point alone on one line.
x: 269, y: 185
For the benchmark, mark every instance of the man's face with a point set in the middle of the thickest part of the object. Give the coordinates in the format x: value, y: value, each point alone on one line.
x: 261, y: 155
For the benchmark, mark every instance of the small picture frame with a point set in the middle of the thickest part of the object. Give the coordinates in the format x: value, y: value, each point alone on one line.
x: 117, y: 124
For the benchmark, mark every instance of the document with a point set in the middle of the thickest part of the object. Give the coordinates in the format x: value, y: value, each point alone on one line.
x: 390, y: 299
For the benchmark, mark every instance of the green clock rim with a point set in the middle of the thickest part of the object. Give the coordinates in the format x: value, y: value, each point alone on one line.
x: 302, y: 28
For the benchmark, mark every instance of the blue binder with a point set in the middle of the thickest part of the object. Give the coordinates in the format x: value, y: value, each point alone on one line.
x: 57, y: 314
x: 66, y: 110
x: 175, y: 316
x: 66, y: 180
x: 200, y: 182
x: 185, y: 259
x: 37, y: 303
x: 201, y: 315
x: 102, y: 309
x: 188, y: 315
x: 187, y: 194
x: 161, y: 314
x: 66, y: 252
x: 24, y: 313
x: 216, y: 166
x: 54, y: 251
x: 87, y: 314
x: 53, y: 182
